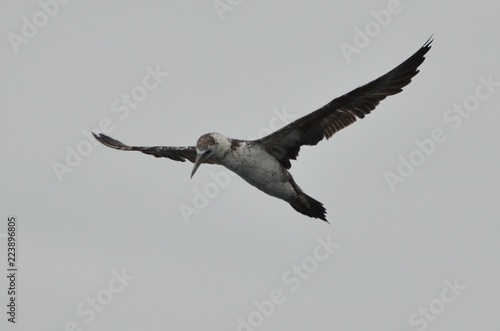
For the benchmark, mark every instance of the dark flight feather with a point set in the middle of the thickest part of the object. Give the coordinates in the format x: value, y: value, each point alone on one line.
x: 174, y: 153
x: 285, y: 143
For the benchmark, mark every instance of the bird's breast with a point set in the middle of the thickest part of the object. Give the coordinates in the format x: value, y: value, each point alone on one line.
x: 261, y: 170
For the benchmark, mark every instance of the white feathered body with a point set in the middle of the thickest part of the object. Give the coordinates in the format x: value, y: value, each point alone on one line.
x: 256, y: 166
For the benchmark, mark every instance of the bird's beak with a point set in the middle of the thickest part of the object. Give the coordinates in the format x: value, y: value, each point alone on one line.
x: 199, y: 160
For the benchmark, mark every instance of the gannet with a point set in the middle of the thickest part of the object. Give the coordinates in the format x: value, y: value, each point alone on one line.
x: 264, y: 162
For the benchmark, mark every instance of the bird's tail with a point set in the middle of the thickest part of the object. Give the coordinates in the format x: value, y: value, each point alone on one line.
x: 308, y: 206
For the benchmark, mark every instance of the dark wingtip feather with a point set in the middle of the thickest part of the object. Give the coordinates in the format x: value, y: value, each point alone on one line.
x: 306, y: 205
x: 110, y: 142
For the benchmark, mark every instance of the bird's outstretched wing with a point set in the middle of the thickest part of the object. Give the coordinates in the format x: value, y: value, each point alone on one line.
x: 285, y: 143
x: 174, y: 153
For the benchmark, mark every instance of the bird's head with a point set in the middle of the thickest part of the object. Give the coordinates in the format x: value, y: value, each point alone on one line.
x: 210, y: 145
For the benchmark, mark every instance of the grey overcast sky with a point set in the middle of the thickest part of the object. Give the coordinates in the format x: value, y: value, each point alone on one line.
x: 108, y: 240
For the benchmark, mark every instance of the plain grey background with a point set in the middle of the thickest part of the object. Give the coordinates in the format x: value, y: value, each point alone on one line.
x: 231, y: 72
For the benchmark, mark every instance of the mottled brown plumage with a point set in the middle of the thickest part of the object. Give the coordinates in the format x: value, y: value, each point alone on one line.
x: 174, y: 153
x: 285, y: 143
x: 264, y: 162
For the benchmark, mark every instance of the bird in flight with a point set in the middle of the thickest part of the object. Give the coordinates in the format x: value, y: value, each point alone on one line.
x: 264, y: 162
